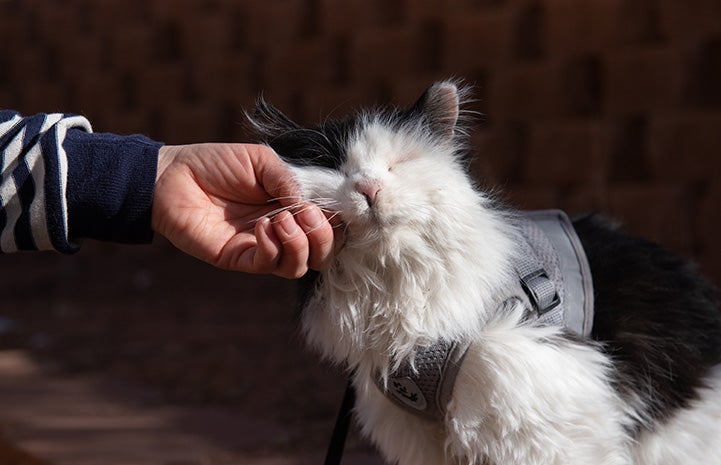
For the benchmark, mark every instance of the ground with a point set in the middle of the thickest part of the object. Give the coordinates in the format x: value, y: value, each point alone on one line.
x: 176, y: 329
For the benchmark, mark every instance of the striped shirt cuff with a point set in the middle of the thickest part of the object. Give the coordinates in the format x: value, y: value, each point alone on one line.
x: 33, y: 166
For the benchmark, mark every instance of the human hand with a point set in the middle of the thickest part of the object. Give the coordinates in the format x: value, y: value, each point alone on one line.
x: 213, y: 201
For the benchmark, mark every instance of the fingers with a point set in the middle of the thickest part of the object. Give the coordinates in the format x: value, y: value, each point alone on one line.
x: 280, y: 248
x: 293, y: 259
x: 268, y: 248
x: 319, y: 233
x: 317, y: 245
x: 288, y: 245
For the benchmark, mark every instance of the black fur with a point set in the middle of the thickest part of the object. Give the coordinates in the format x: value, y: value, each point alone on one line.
x: 325, y: 145
x: 656, y: 316
x: 322, y: 145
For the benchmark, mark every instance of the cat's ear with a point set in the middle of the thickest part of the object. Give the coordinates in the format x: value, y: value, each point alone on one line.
x: 440, y: 106
x: 269, y: 122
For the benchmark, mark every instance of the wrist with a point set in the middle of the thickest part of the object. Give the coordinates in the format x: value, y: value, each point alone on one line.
x: 166, y: 155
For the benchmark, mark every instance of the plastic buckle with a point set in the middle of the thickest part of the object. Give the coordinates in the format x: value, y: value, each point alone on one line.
x: 530, y: 290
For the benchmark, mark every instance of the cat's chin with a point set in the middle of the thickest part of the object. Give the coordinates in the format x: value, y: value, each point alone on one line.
x: 374, y: 228
x: 387, y: 215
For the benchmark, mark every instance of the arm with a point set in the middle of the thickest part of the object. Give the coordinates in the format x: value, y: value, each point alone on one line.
x: 62, y: 183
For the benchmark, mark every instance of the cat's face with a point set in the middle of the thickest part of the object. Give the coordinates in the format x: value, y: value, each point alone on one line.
x: 387, y: 178
x: 381, y: 170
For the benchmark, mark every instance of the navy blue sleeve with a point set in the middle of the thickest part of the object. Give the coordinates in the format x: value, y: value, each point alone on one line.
x: 110, y: 186
x: 61, y: 183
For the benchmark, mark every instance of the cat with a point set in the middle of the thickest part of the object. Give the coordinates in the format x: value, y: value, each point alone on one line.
x: 427, y: 254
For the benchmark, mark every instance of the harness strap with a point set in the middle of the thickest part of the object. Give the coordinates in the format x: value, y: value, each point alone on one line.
x: 557, y: 249
x: 342, y: 424
x: 539, y: 276
x: 426, y: 395
x: 554, y: 281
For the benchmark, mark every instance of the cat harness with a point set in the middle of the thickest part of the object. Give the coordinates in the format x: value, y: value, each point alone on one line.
x: 555, y: 285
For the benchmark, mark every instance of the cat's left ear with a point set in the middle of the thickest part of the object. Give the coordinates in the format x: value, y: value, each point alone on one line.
x: 440, y: 106
x: 268, y: 121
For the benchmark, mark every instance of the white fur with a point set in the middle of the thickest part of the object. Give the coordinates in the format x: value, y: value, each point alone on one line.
x: 692, y: 436
x: 431, y: 259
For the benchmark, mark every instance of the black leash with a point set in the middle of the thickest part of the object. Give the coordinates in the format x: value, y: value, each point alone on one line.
x: 340, y: 430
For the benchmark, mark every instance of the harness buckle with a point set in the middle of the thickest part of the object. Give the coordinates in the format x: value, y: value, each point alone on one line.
x: 540, y: 291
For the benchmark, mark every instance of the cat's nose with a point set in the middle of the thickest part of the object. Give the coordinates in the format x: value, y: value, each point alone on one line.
x: 369, y: 188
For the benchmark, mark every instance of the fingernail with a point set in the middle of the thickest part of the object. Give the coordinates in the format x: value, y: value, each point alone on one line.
x: 312, y: 218
x: 288, y: 224
x: 266, y: 227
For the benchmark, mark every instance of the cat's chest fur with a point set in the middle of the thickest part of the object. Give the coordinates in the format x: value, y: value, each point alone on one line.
x: 378, y: 303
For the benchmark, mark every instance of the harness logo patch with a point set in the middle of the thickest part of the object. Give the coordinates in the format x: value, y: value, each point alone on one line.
x: 407, y: 392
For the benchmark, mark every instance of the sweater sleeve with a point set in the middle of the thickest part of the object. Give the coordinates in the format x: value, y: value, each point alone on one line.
x: 60, y: 183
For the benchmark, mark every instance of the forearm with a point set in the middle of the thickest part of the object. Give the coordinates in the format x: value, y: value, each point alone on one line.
x: 62, y: 183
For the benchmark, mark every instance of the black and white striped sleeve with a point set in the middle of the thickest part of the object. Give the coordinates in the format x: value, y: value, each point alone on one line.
x: 34, y: 213
x: 60, y: 183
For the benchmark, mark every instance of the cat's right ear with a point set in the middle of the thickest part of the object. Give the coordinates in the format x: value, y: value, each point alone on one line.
x: 269, y: 122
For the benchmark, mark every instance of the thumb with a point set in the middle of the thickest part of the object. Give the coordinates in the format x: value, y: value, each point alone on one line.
x: 276, y: 176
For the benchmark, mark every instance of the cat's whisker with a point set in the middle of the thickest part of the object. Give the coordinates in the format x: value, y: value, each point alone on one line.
x: 274, y: 213
x: 320, y: 201
x: 286, y: 197
x: 301, y: 205
x: 332, y: 213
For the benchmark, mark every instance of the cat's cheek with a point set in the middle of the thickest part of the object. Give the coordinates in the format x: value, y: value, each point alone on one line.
x: 406, y: 207
x: 350, y: 209
x: 317, y: 183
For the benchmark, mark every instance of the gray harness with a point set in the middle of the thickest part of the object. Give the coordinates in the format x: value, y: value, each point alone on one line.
x: 554, y: 283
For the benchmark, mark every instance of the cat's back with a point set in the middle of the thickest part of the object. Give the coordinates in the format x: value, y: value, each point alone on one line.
x: 657, y: 317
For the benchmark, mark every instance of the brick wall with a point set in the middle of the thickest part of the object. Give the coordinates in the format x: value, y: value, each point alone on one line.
x: 611, y: 105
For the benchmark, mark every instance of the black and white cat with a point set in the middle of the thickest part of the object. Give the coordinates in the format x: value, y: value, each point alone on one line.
x: 426, y: 256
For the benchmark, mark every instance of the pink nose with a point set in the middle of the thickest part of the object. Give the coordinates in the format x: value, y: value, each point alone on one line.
x: 369, y: 189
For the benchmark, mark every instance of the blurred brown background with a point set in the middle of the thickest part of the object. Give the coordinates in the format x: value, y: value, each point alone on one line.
x: 607, y: 105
